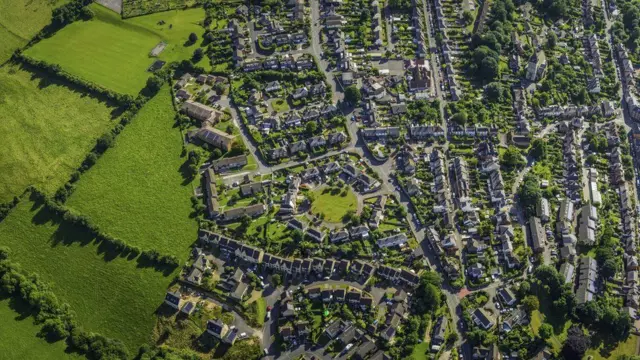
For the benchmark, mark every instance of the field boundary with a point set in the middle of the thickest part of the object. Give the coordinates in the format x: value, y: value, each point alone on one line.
x: 56, y: 319
x: 165, y: 264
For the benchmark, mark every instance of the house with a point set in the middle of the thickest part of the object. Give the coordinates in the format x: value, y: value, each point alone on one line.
x: 201, y: 112
x: 251, y: 211
x: 336, y: 138
x: 215, y: 137
x: 213, y: 207
x: 542, y: 209
x: 359, y: 232
x: 217, y: 328
x: 334, y: 329
x: 507, y: 297
x: 277, y: 153
x: 538, y: 234
x: 297, y: 147
x: 172, y: 298
x: 300, y: 93
x: 225, y: 164
x: 317, y: 142
x: 273, y: 86
x: 481, y: 319
x: 439, y: 332
x: 567, y: 270
x: 339, y: 236
x: 393, y: 240
x: 251, y: 188
x: 315, y: 234
x: 515, y: 318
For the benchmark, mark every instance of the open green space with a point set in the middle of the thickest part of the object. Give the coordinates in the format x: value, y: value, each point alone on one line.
x: 40, y: 146
x: 20, y: 336
x: 142, y: 7
x: 334, y: 203
x: 20, y: 20
x: 111, y: 295
x: 114, y: 53
x: 628, y: 347
x: 280, y: 105
x: 136, y: 191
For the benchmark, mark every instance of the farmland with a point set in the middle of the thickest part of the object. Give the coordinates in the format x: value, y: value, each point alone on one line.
x: 136, y: 191
x: 113, y: 52
x: 41, y: 147
x: 20, y: 334
x: 109, y: 294
x: 20, y: 20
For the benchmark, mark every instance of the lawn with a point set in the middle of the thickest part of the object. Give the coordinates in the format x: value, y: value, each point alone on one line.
x: 110, y: 295
x: 331, y: 203
x: 115, y: 53
x: 20, y: 340
x: 39, y: 146
x: 136, y: 191
x: 280, y: 105
x: 626, y: 348
x: 560, y: 333
x: 20, y: 20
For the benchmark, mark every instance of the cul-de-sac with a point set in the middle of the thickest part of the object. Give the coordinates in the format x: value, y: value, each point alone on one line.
x: 319, y: 179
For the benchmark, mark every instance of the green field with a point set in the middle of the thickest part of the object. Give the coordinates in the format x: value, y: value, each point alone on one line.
x: 20, y: 340
x: 136, y: 191
x: 110, y: 295
x: 115, y: 53
x: 20, y: 20
x: 332, y: 204
x: 39, y: 146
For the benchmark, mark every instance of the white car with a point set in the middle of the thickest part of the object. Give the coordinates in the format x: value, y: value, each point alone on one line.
x: 243, y: 335
x: 348, y: 347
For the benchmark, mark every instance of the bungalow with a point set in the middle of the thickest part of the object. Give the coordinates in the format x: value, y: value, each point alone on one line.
x: 310, y: 114
x: 439, y: 332
x: 331, y: 167
x: 507, y: 296
x: 300, y: 93
x: 359, y: 232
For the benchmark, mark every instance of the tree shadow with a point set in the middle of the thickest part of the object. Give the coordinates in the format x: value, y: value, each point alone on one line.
x: 46, y: 80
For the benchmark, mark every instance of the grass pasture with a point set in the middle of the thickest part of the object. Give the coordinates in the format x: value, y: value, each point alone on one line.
x: 136, y: 191
x: 142, y: 7
x: 114, y: 53
x: 20, y: 20
x: 20, y: 340
x: 39, y: 146
x: 111, y: 295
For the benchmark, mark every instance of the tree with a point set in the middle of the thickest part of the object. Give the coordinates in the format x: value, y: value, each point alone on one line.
x: 494, y: 92
x: 576, y: 344
x: 546, y: 331
x: 193, y: 38
x: 352, y: 94
x: 198, y: 54
x: 276, y: 279
x: 538, y: 149
x: 467, y: 16
x: 512, y: 158
x: 154, y: 83
x: 312, y: 127
x: 489, y: 69
x: 552, y: 40
x: 460, y: 118
x: 531, y: 303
